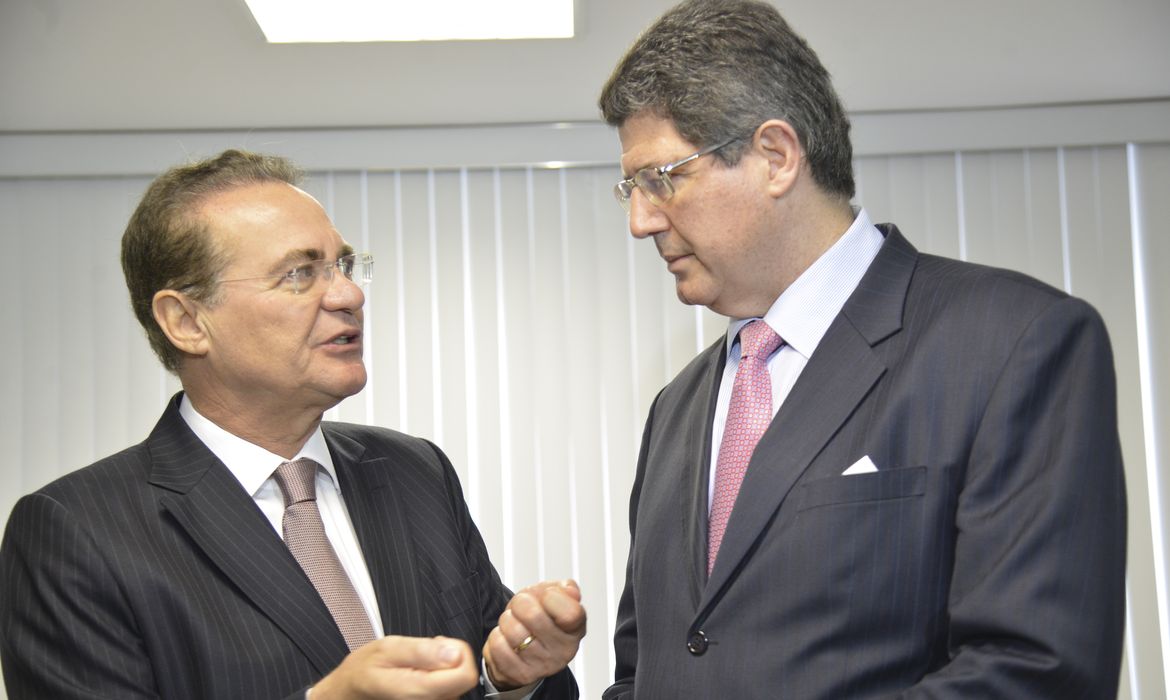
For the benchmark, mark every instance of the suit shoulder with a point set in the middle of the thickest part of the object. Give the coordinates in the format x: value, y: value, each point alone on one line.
x: 131, y: 465
x: 368, y: 433
x: 109, y: 493
x: 374, y: 440
x: 988, y: 310
x: 948, y: 272
x: 988, y: 290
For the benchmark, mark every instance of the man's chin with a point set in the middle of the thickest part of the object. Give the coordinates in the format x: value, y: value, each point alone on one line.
x: 356, y: 386
x: 691, y: 296
x: 348, y: 384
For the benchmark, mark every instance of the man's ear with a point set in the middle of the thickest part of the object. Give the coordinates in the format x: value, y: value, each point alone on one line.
x: 777, y: 141
x: 178, y: 317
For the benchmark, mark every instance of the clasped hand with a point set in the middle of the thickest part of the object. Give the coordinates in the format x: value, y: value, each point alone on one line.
x: 537, y: 635
x: 441, y: 668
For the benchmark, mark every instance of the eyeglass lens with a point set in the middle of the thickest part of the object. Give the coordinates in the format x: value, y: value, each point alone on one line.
x: 306, y: 276
x: 654, y: 184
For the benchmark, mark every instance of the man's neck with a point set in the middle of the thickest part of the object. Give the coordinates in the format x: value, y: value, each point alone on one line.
x: 283, y: 432
x: 811, y: 226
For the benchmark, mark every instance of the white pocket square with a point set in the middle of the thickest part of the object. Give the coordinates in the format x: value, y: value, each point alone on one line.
x: 864, y: 465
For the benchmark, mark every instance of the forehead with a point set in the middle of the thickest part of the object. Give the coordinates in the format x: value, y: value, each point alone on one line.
x: 649, y: 140
x: 268, y: 219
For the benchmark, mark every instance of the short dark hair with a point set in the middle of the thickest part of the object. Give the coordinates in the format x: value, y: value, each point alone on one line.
x: 718, y: 69
x: 167, y: 246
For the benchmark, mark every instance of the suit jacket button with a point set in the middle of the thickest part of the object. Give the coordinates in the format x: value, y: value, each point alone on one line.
x: 697, y: 644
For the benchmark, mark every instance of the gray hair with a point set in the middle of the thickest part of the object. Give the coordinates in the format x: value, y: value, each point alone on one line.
x: 718, y: 69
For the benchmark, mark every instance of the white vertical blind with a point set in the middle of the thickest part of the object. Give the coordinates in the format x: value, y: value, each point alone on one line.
x: 1148, y: 183
x: 514, y: 321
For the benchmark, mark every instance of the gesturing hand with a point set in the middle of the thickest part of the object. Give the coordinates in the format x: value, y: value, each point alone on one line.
x: 402, y: 668
x: 537, y: 635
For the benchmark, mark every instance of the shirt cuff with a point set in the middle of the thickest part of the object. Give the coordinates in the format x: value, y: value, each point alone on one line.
x: 522, y: 693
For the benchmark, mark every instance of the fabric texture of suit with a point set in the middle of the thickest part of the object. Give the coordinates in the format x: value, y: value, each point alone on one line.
x: 984, y: 559
x: 152, y: 574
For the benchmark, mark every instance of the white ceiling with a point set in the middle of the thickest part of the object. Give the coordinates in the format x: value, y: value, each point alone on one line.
x: 203, y: 64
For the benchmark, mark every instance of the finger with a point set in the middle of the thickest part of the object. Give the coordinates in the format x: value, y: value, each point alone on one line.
x: 510, y: 668
x: 512, y: 629
x: 507, y: 667
x: 403, y: 668
x: 557, y: 639
x: 569, y: 587
x: 539, y: 615
x: 445, y: 683
x: 564, y: 608
x: 566, y: 587
x: 426, y: 654
x: 536, y: 590
x: 526, y: 615
x: 524, y: 644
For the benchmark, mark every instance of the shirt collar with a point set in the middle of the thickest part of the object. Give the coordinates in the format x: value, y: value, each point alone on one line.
x: 803, y: 312
x: 251, y: 464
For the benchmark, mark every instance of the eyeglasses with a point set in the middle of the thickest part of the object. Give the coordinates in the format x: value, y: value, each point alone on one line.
x: 357, y: 267
x: 655, y: 182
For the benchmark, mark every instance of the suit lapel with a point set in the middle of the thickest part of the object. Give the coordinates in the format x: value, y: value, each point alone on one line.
x: 839, y: 375
x: 223, y: 521
x: 382, y: 531
x: 694, y: 489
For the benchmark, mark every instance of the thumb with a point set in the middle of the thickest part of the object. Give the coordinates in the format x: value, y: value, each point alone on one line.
x: 426, y: 654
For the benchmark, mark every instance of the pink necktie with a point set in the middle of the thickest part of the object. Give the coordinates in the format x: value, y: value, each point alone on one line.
x: 748, y: 417
x: 304, y: 533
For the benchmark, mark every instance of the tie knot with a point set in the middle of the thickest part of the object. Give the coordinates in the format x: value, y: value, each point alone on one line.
x: 757, y: 339
x: 297, y: 481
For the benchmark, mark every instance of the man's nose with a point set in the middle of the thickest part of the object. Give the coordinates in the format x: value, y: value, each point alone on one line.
x: 646, y: 218
x: 343, y: 293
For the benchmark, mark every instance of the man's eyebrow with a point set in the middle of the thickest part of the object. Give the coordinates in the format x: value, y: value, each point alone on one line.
x: 626, y: 175
x: 293, y: 257
x: 302, y: 255
x: 648, y: 166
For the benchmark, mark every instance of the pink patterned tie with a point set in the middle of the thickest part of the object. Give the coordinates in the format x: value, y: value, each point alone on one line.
x: 748, y: 417
x: 304, y: 533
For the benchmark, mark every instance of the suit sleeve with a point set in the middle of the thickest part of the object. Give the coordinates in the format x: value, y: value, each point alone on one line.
x: 493, y: 594
x: 625, y: 639
x: 1037, y: 601
x: 66, y: 630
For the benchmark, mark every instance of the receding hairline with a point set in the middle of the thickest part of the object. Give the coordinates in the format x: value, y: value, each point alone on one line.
x: 199, y: 209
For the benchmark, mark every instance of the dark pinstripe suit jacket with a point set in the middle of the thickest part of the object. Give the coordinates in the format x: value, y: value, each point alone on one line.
x: 986, y: 558
x: 151, y: 573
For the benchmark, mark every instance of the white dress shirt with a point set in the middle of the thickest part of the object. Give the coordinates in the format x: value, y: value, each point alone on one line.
x: 253, y: 467
x: 801, y: 316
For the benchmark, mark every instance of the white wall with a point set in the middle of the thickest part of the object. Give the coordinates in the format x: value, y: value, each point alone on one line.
x: 515, y: 269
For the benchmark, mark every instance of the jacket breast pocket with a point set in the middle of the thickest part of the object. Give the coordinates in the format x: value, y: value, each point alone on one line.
x: 884, y: 485
x: 871, y: 547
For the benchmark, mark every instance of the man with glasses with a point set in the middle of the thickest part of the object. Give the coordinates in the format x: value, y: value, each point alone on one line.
x: 895, y: 475
x: 161, y: 571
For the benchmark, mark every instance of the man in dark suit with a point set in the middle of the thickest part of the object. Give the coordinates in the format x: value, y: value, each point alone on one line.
x: 160, y: 572
x: 896, y: 475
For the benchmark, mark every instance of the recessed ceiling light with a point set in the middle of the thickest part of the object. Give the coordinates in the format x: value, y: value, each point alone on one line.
x: 302, y: 21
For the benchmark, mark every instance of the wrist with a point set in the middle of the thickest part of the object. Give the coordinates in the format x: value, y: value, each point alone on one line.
x: 493, y: 682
